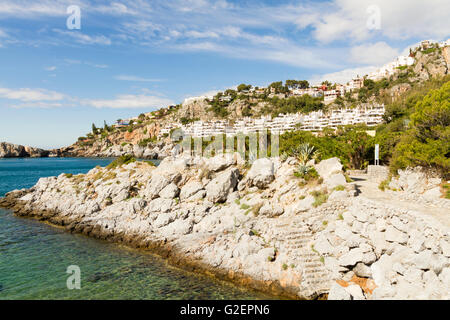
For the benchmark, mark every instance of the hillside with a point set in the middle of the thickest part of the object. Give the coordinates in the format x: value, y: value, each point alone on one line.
x: 400, y: 91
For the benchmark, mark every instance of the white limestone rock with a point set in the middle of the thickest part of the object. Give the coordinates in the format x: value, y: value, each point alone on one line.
x: 355, y: 292
x: 337, y: 292
x: 261, y: 173
x: 394, y: 235
x: 218, y: 189
x: 327, y: 168
x: 351, y: 258
x: 190, y: 188
x: 170, y: 191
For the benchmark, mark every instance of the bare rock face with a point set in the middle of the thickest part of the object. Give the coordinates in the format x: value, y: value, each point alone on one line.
x: 195, y: 109
x: 261, y: 173
x: 8, y: 150
x: 218, y: 189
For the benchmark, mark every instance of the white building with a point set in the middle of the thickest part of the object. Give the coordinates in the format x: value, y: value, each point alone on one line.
x: 389, y: 69
x: 315, y: 121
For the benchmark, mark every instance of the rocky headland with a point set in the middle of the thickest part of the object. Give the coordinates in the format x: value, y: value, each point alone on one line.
x: 258, y: 225
x: 103, y: 149
x: 9, y: 150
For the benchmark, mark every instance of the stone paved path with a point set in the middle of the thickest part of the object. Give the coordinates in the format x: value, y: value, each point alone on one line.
x: 369, y: 190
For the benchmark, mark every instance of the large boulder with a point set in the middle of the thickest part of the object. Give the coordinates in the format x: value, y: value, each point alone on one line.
x: 218, y: 189
x: 190, y: 188
x: 170, y: 191
x: 331, y: 172
x: 220, y: 162
x: 261, y: 173
x: 327, y: 168
x: 337, y: 292
x: 155, y: 185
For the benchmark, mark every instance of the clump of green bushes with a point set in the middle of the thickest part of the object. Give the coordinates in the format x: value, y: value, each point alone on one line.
x: 125, y: 159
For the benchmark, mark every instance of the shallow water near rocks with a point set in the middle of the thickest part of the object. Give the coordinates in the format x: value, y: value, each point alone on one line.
x: 34, y: 256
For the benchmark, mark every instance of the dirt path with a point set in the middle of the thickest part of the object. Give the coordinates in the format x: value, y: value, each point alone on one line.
x: 369, y: 189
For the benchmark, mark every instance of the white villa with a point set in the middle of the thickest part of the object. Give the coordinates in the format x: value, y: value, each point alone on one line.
x: 389, y: 69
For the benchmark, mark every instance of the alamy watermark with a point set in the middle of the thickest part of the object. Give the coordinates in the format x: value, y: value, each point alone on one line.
x: 74, y: 19
x: 74, y: 280
x: 374, y: 20
x: 250, y: 146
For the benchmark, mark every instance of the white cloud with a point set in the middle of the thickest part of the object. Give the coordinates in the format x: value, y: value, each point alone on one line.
x: 130, y: 101
x: 400, y: 19
x: 135, y: 78
x: 342, y: 76
x: 37, y: 104
x: 26, y: 94
x: 373, y: 54
x: 24, y: 8
x: 84, y: 38
x: 51, y: 68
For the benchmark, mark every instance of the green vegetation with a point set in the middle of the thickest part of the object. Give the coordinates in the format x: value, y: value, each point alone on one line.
x: 256, y: 208
x: 339, y: 188
x: 306, y: 173
x: 245, y: 206
x: 185, y: 121
x: 150, y: 163
x: 126, y: 159
x: 446, y: 189
x: 304, y: 104
x: 427, y: 140
x: 320, y: 197
x: 147, y: 141
x: 351, y: 144
x: 384, y: 185
x: 68, y: 175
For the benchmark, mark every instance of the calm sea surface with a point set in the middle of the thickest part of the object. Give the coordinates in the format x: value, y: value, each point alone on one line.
x: 34, y: 256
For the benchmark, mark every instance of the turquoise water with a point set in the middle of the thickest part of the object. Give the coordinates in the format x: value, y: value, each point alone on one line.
x: 34, y: 256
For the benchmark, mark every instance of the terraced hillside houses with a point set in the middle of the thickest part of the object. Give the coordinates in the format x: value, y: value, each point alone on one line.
x: 369, y: 114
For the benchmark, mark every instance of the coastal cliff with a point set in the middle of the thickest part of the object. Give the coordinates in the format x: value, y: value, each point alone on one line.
x: 103, y: 149
x: 9, y: 150
x: 261, y: 226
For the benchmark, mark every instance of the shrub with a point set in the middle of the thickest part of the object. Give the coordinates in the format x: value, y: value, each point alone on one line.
x: 245, y: 206
x: 68, y: 175
x: 307, y: 173
x: 256, y: 208
x: 320, y: 197
x: 125, y: 159
x: 150, y: 163
x: 384, y: 185
x: 446, y: 189
x: 339, y: 188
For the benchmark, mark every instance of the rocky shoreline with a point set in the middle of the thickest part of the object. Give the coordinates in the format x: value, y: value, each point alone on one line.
x: 9, y: 150
x: 259, y: 226
x: 101, y: 149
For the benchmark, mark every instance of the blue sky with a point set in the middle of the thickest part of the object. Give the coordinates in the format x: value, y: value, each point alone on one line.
x: 131, y: 57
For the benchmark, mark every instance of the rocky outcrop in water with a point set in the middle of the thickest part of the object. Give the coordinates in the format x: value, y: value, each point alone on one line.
x: 260, y: 226
x: 9, y: 150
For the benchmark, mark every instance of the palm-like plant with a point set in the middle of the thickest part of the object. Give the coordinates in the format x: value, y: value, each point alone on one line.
x: 304, y: 153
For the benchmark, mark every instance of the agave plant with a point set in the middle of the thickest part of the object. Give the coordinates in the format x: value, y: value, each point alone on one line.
x: 304, y: 153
